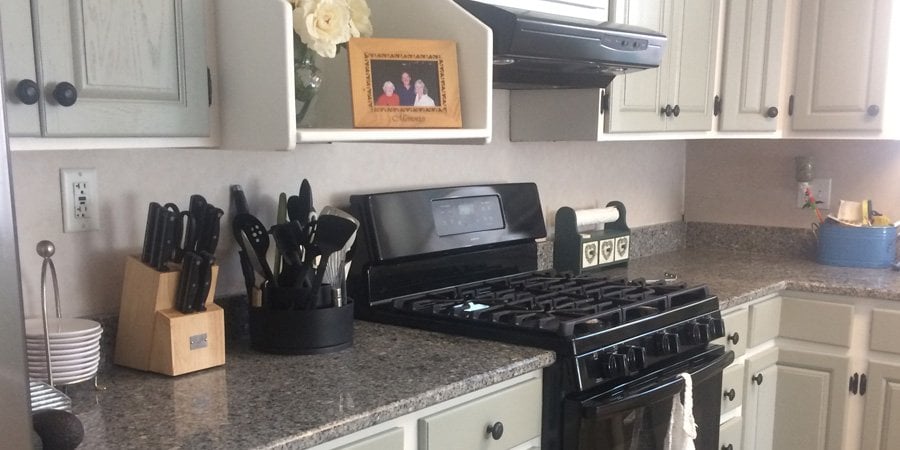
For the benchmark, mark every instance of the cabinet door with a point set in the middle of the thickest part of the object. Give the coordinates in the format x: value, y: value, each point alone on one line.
x: 388, y: 440
x: 751, y: 72
x: 139, y: 67
x: 842, y: 50
x: 735, y: 331
x: 695, y: 32
x: 730, y: 435
x: 636, y: 98
x: 882, y: 411
x: 760, y: 378
x: 18, y: 59
x: 810, y: 408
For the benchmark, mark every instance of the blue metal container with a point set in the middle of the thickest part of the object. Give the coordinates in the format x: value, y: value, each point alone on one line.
x: 841, y: 245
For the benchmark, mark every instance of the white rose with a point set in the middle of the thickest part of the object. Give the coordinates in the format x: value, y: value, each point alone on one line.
x: 359, y: 18
x: 322, y: 25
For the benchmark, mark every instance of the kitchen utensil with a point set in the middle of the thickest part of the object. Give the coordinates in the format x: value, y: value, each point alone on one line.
x: 332, y: 232
x: 150, y: 232
x: 254, y: 239
x: 335, y: 263
x: 188, y: 282
x: 239, y: 199
x: 280, y: 218
x: 205, y: 281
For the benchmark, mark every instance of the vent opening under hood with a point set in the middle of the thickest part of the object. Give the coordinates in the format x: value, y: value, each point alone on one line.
x: 541, y: 51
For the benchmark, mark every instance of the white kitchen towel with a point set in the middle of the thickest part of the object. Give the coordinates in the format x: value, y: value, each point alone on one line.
x: 682, y: 428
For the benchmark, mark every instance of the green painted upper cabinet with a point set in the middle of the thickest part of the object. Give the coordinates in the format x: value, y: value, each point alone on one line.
x: 841, y: 65
x: 751, y: 71
x: 678, y: 96
x: 125, y: 69
x: 20, y: 68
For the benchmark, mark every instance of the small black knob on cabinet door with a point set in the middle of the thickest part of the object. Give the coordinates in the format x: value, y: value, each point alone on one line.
x: 65, y: 94
x: 28, y: 92
x: 772, y: 112
x: 495, y: 430
x: 734, y: 338
x: 758, y: 379
x: 728, y: 447
x: 729, y: 394
x: 873, y: 110
x: 676, y: 110
x: 667, y: 110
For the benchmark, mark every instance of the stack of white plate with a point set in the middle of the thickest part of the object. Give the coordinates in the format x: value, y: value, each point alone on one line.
x: 74, y: 349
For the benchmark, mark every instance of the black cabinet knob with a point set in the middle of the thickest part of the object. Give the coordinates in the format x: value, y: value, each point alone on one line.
x: 729, y: 394
x: 728, y: 447
x: 676, y: 110
x: 873, y: 110
x: 772, y: 112
x: 65, y: 94
x: 734, y: 338
x: 758, y: 379
x: 667, y: 110
x: 28, y: 92
x: 495, y: 430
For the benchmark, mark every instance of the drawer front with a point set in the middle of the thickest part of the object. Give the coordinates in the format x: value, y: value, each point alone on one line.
x: 764, y: 320
x: 816, y: 321
x: 518, y: 408
x: 730, y: 435
x: 885, y: 331
x: 735, y: 332
x: 732, y: 380
x: 388, y: 440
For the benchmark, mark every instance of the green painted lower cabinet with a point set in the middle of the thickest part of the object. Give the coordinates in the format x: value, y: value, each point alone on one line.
x: 730, y: 434
x: 389, y: 440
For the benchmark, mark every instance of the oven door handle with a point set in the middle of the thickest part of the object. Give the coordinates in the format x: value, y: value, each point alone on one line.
x: 667, y: 389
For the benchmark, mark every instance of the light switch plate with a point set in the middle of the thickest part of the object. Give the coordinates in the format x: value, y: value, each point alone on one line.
x: 80, y: 206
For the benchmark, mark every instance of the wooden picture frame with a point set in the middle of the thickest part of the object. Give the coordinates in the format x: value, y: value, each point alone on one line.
x: 376, y: 64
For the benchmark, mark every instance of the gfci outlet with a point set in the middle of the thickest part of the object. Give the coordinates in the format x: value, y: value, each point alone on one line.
x: 80, y: 205
x: 821, y: 192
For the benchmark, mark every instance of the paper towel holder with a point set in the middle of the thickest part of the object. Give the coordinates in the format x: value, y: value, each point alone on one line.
x: 575, y: 251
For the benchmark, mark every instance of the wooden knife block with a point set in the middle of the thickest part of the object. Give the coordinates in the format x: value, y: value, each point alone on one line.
x: 154, y: 336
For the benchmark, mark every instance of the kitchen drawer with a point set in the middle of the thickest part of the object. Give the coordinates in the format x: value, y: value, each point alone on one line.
x: 765, y: 317
x: 387, y: 440
x: 735, y: 331
x: 730, y: 435
x: 816, y: 321
x: 885, y: 331
x: 518, y: 408
x: 732, y: 379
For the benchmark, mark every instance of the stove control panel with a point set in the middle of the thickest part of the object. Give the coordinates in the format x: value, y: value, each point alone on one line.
x: 652, y: 349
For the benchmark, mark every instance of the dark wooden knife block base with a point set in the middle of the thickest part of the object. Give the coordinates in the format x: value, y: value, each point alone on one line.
x: 154, y: 336
x: 299, y: 332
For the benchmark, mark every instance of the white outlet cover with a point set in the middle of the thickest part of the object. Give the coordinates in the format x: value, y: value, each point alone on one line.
x: 80, y: 205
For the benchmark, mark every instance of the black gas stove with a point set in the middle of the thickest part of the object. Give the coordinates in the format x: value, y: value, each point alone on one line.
x: 463, y: 260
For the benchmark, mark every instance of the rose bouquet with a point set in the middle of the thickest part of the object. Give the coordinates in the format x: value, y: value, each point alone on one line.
x: 323, y: 25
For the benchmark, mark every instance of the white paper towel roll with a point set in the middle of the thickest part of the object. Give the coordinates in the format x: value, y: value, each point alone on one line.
x: 589, y: 218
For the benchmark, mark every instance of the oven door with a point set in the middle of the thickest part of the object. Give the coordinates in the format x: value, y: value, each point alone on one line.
x: 635, y: 415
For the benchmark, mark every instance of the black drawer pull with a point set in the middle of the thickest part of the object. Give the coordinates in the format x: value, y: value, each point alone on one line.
x: 873, y: 110
x: 772, y: 112
x: 729, y: 394
x: 758, y: 379
x: 65, y: 94
x: 27, y: 92
x: 734, y: 338
x: 495, y: 430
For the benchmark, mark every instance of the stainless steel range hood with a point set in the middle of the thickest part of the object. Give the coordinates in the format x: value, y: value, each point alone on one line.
x: 539, y: 51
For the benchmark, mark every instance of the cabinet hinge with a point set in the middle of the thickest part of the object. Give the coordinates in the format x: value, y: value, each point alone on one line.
x: 854, y: 383
x: 209, y: 85
x: 791, y: 105
x: 862, y: 384
x: 717, y: 106
x: 604, y: 101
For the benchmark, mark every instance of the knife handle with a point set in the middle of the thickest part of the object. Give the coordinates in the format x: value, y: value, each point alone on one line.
x: 150, y: 232
x: 204, y: 282
x: 187, y: 283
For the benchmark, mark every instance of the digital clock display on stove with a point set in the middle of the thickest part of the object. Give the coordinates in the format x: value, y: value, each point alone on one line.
x: 467, y: 214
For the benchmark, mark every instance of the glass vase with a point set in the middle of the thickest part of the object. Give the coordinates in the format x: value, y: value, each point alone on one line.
x: 307, y: 80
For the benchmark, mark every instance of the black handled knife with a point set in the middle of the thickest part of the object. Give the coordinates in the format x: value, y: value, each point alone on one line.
x: 150, y: 232
x: 189, y: 282
x: 205, y: 281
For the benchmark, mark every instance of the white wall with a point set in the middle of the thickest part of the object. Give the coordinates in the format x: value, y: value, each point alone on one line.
x: 647, y: 176
x: 752, y: 181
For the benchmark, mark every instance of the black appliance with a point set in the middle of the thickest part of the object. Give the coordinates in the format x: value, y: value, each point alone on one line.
x: 463, y: 260
x: 534, y: 50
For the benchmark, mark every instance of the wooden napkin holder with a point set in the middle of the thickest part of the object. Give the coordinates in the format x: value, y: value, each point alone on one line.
x: 154, y: 336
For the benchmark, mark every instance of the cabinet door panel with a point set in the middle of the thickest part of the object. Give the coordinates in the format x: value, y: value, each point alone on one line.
x: 882, y: 413
x: 388, y: 440
x: 139, y: 67
x: 751, y: 73
x: 730, y: 434
x: 759, y: 400
x: 832, y: 325
x: 18, y: 61
x: 735, y: 330
x: 841, y: 64
x: 765, y: 318
x: 697, y: 24
x: 636, y: 99
x: 811, y: 404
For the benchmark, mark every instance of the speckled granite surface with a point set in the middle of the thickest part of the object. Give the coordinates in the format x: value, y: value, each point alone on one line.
x: 258, y: 400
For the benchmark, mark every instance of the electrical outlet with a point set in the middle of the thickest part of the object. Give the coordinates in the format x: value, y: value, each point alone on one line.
x: 820, y: 189
x: 80, y: 204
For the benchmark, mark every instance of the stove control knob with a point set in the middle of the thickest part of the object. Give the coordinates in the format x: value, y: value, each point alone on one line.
x: 666, y: 343
x: 698, y: 333
x: 716, y: 327
x: 609, y: 365
x: 634, y: 357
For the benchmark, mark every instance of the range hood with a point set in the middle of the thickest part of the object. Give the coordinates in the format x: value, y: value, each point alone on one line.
x: 534, y: 50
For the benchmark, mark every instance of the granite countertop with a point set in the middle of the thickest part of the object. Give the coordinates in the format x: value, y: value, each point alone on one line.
x: 260, y: 400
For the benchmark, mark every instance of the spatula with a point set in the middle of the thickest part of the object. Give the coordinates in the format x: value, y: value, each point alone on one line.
x: 332, y: 232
